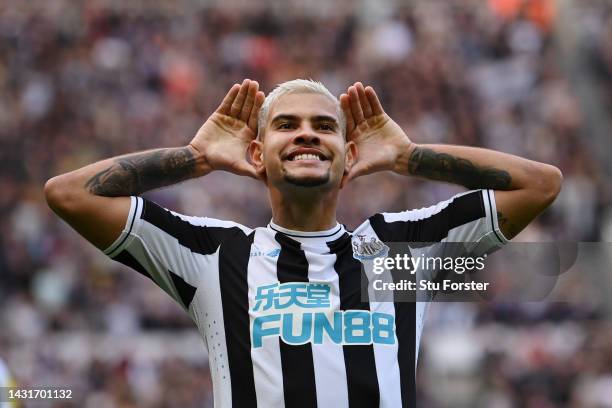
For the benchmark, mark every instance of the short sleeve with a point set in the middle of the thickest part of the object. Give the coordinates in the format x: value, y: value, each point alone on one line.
x: 170, y: 248
x: 468, y: 217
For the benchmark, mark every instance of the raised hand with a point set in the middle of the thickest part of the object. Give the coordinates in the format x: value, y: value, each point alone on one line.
x: 223, y: 139
x: 380, y: 141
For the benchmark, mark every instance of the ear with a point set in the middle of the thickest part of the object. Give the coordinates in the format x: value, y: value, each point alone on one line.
x: 255, y: 155
x: 349, y: 160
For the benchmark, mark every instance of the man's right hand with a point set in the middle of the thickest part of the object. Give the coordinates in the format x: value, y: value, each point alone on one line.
x: 94, y: 199
x: 224, y: 138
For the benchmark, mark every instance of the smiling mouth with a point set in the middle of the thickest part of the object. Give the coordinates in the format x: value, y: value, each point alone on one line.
x: 306, y: 157
x: 297, y: 156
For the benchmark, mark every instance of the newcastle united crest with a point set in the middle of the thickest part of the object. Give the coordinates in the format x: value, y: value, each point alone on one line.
x: 366, y: 250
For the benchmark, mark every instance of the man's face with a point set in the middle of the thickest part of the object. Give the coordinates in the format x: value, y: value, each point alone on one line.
x: 303, y: 145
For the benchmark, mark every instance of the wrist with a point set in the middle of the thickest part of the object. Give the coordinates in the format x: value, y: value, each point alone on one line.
x: 403, y: 157
x: 202, y: 165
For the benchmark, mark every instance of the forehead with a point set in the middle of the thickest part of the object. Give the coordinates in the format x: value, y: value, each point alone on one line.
x: 304, y: 105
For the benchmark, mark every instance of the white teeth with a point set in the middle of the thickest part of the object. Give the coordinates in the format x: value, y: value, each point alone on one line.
x: 306, y: 156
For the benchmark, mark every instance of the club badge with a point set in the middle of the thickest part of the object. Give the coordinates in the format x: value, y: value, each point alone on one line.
x: 364, y: 250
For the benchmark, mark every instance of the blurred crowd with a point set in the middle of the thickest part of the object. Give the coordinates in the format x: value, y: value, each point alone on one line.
x: 85, y: 81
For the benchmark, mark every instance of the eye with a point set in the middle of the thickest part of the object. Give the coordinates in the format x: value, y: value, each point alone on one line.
x: 285, y: 125
x: 327, y: 127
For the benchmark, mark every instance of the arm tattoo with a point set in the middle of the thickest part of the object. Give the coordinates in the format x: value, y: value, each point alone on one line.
x: 134, y: 174
x: 452, y: 169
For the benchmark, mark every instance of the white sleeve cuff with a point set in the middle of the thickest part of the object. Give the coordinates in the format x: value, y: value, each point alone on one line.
x: 131, y: 225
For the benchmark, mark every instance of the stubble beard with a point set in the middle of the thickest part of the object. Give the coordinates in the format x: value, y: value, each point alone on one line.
x: 307, y: 181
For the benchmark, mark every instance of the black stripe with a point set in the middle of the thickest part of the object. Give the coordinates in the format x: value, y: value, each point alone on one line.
x: 405, y: 330
x: 359, y: 362
x: 200, y: 239
x: 296, y: 360
x: 186, y: 291
x: 493, y: 215
x: 461, y: 210
x: 128, y: 260
x: 111, y: 250
x: 233, y: 270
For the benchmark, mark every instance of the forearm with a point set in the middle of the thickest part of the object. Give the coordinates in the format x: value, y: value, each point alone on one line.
x: 476, y: 168
x: 137, y: 173
x: 93, y: 199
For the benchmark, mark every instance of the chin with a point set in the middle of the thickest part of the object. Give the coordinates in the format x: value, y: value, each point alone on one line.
x: 307, y: 181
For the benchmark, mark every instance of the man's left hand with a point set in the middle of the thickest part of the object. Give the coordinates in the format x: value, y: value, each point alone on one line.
x: 381, y: 143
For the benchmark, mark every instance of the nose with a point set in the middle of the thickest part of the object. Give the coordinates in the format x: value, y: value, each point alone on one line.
x: 307, y: 136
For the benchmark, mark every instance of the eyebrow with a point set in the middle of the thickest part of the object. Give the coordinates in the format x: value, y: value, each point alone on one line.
x: 289, y: 118
x: 317, y: 118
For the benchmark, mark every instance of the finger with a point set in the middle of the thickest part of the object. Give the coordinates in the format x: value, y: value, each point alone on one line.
x: 363, y: 100
x: 239, y: 101
x: 249, y: 101
x: 377, y: 108
x: 260, y: 97
x: 345, y: 104
x: 226, y: 104
x: 355, y: 105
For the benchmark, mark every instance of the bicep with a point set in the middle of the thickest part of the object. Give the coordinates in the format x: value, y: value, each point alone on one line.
x: 516, y: 209
x: 99, y: 220
x: 102, y: 220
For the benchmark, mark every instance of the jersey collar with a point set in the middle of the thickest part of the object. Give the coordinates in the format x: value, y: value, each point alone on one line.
x: 329, y: 235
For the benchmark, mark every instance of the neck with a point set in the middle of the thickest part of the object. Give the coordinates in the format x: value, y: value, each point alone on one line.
x: 303, y: 210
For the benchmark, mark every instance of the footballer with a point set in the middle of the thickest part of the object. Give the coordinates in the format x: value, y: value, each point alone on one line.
x: 279, y: 306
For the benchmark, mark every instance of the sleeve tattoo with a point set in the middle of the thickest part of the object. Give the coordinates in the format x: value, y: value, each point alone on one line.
x: 446, y: 167
x: 134, y: 174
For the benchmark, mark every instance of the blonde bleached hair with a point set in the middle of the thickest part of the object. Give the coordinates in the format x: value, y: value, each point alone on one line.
x: 297, y: 86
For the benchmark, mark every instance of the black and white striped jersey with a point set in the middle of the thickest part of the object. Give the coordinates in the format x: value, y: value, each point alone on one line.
x: 281, y: 311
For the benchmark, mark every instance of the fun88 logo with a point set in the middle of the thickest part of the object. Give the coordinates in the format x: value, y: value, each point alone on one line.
x: 301, y: 312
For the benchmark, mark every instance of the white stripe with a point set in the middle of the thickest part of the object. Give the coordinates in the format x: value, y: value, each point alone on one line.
x: 489, y: 196
x: 211, y: 222
x: 387, y: 366
x: 421, y: 213
x: 267, y: 368
x: 206, y: 309
x: 123, y: 240
x: 328, y: 358
x: 154, y: 266
x: 208, y: 312
x: 171, y: 254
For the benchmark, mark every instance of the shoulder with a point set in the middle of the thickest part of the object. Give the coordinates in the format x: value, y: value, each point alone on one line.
x: 468, y: 204
x: 164, y: 218
x: 212, y: 222
x: 429, y: 224
x: 161, y: 229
